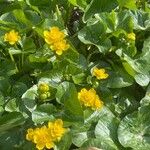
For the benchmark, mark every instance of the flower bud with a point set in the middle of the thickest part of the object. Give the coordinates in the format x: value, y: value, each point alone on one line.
x: 43, y: 96
x: 43, y: 87
x: 48, y: 94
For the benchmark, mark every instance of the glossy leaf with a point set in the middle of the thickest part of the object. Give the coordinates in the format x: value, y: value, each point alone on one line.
x: 97, y: 6
x: 134, y: 130
x: 11, y: 120
x: 67, y: 95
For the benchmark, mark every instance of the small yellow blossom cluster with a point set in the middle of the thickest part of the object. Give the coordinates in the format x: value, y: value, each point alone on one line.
x: 131, y: 36
x: 89, y: 98
x: 100, y: 73
x: 45, y: 137
x: 12, y: 37
x: 56, y: 39
x: 44, y: 91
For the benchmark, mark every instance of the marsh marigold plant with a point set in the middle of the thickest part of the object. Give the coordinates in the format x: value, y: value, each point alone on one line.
x: 56, y: 39
x: 100, y: 73
x: 45, y: 137
x: 12, y: 37
x: 89, y: 98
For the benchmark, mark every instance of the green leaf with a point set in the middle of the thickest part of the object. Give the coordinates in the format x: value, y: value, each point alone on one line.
x: 11, y: 120
x: 146, y: 99
x: 106, y: 129
x: 83, y: 132
x: 9, y: 20
x: 101, y: 125
x: 124, y: 101
x: 11, y: 140
x: 119, y: 78
x: 142, y: 79
x: 124, y: 21
x: 2, y: 101
x: 79, y: 78
x: 129, y: 69
x: 43, y: 113
x: 80, y: 3
x: 1, y: 110
x: 108, y: 19
x: 8, y: 68
x: 94, y: 34
x: 65, y: 142
x: 68, y: 96
x: 29, y: 98
x: 80, y: 138
x: 37, y: 58
x: 21, y: 17
x: 28, y: 45
x: 14, y: 51
x: 7, y: 6
x: 140, y: 65
x: 54, y: 77
x: 145, y: 50
x: 134, y: 130
x: 44, y: 3
x: 141, y: 20
x: 4, y: 84
x: 131, y: 4
x: 12, y: 106
x: 19, y: 89
x: 97, y: 6
x: 33, y: 17
x: 94, y: 142
x: 116, y: 22
x: 76, y: 59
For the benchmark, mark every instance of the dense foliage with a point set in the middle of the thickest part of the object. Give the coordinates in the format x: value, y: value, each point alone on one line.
x: 75, y: 74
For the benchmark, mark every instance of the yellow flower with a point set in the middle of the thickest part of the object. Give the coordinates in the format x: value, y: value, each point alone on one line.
x: 42, y: 138
x: 30, y: 134
x: 100, y: 73
x: 55, y: 38
x: 60, y: 46
x: 54, y: 35
x: 56, y: 129
x: 89, y: 98
x: 12, y: 37
x: 131, y: 36
x: 45, y: 137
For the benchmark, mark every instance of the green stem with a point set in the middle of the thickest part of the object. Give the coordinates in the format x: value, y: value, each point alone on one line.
x: 13, y: 60
x: 22, y: 59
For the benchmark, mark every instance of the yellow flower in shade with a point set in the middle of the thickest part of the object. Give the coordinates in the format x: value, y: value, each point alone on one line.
x: 12, y: 37
x: 54, y: 35
x: 89, y: 98
x: 60, y: 46
x: 131, y: 36
x: 100, y: 73
x: 56, y: 129
x: 45, y: 137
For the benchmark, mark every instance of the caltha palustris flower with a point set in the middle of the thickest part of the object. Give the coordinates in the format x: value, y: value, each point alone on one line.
x: 12, y: 37
x: 100, y: 74
x: 89, y: 98
x: 46, y: 136
x: 55, y: 38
